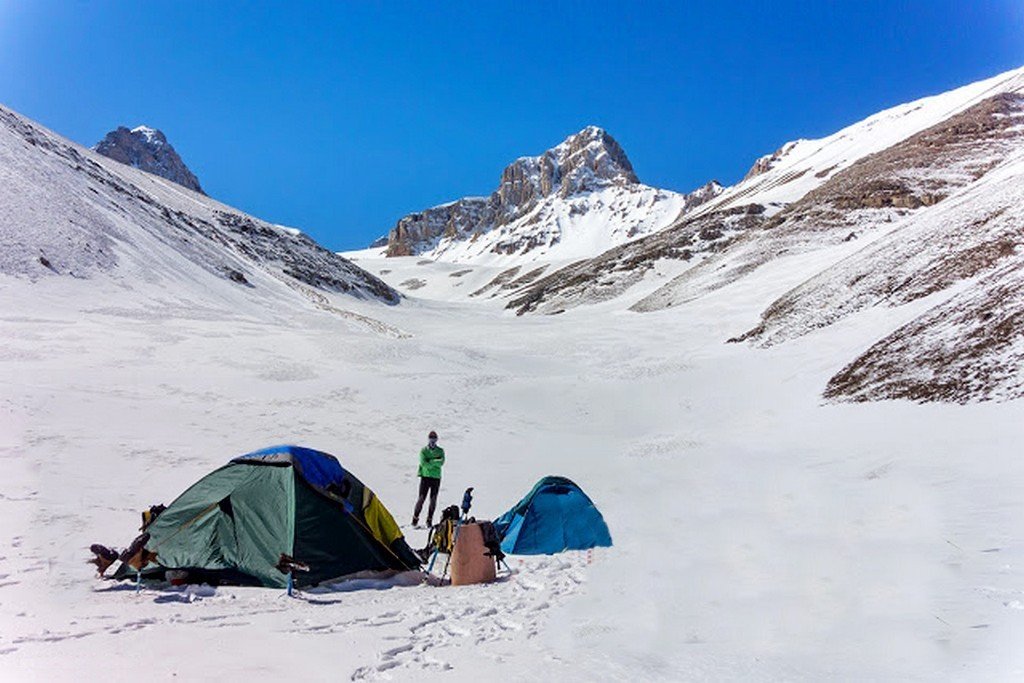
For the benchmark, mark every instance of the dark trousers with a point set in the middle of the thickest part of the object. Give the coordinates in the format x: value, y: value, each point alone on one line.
x: 433, y: 486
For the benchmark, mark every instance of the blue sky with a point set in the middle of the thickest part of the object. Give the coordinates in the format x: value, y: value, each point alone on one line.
x: 339, y: 118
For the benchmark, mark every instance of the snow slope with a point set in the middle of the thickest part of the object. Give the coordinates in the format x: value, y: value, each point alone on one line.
x: 68, y: 212
x: 760, y: 535
x: 927, y: 217
x: 802, y: 165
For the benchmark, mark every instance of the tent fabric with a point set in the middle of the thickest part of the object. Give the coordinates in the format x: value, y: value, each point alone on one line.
x: 235, y: 523
x: 556, y: 515
x: 317, y: 470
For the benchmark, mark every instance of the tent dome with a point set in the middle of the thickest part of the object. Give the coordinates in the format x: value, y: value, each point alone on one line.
x: 234, y: 524
x: 555, y: 515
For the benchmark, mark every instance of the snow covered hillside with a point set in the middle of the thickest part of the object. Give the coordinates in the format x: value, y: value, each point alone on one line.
x: 759, y: 535
x: 934, y: 214
x: 68, y: 212
x: 574, y: 200
x: 148, y: 334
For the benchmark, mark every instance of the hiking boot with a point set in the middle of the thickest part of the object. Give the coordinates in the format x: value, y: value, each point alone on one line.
x: 415, y: 521
x: 430, y: 523
x: 104, y: 557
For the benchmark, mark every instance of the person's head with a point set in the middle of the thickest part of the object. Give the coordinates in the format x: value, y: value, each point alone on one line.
x: 432, y: 438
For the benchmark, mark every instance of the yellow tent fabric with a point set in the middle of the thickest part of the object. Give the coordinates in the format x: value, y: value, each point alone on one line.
x: 378, y: 520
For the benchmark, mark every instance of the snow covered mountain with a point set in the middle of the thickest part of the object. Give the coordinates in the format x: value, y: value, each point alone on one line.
x: 573, y: 201
x: 69, y: 212
x: 783, y: 189
x: 915, y: 211
x: 147, y: 149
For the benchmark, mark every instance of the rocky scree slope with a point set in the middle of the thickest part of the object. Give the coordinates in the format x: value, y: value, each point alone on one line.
x: 922, y: 251
x: 147, y: 149
x: 868, y: 196
x: 573, y: 200
x: 969, y: 346
x: 65, y: 210
x: 965, y: 252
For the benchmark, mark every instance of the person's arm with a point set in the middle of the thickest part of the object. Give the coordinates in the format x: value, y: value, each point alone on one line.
x: 440, y: 458
x: 424, y: 456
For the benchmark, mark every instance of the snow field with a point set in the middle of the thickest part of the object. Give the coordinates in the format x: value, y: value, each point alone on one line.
x: 759, y: 533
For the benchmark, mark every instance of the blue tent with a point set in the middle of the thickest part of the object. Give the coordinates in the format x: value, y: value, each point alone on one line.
x: 555, y: 516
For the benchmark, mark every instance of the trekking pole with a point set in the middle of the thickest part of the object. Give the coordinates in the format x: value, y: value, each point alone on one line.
x: 433, y: 557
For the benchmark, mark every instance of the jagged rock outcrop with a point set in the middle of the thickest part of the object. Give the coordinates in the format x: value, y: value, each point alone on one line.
x: 147, y: 149
x: 586, y: 184
x: 768, y: 161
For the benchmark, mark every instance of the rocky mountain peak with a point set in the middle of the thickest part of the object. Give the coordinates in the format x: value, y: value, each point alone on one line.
x: 147, y: 149
x: 583, y: 162
x: 594, y: 149
x: 540, y: 197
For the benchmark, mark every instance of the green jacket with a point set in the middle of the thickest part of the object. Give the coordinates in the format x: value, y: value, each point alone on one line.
x: 431, y: 460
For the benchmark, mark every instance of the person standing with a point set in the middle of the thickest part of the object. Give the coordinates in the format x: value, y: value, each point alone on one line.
x: 431, y: 460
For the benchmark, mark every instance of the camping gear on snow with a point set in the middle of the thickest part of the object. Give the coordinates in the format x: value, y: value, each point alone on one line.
x: 442, y: 536
x: 493, y: 542
x: 467, y: 502
x: 135, y: 555
x: 554, y: 516
x: 470, y: 560
x: 241, y: 522
x: 103, y: 557
x: 150, y: 515
x: 472, y: 548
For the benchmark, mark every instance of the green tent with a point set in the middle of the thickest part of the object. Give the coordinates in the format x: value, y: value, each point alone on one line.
x: 233, y: 525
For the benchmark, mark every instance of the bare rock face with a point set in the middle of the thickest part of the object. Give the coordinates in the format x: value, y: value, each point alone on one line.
x: 768, y: 161
x: 147, y: 149
x: 585, y: 162
x: 418, y: 232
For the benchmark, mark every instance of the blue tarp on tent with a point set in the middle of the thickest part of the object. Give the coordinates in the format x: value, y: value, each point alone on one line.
x: 318, y: 469
x: 555, y: 516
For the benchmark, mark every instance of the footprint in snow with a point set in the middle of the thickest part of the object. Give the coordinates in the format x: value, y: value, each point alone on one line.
x: 432, y: 620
